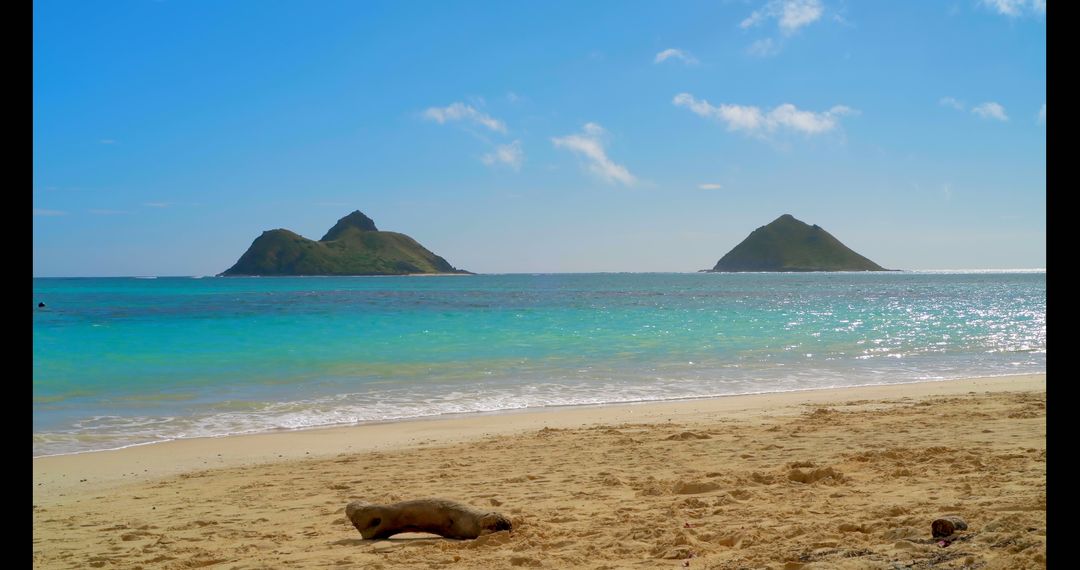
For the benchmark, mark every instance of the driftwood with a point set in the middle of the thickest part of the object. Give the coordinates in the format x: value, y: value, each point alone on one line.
x: 947, y: 525
x: 437, y: 516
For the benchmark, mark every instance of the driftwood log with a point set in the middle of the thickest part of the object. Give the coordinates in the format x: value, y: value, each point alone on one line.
x: 947, y: 525
x: 437, y: 516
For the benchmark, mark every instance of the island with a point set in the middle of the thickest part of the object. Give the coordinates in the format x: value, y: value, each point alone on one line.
x: 788, y: 244
x: 354, y: 246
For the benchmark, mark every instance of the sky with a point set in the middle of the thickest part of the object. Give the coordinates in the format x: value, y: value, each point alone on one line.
x: 556, y: 136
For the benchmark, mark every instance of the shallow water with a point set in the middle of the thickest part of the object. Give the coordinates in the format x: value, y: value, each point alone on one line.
x: 123, y: 361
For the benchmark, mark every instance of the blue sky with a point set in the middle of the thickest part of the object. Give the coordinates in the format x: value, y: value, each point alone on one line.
x: 538, y: 136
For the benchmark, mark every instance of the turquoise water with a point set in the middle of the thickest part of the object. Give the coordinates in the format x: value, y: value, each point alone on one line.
x: 125, y: 361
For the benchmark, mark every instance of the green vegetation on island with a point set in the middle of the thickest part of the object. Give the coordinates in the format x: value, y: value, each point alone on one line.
x: 788, y: 244
x: 354, y: 246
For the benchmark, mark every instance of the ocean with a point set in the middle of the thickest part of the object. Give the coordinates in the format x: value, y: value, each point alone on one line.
x: 129, y: 361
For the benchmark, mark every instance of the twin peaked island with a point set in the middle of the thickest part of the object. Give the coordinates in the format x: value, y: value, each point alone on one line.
x: 354, y: 246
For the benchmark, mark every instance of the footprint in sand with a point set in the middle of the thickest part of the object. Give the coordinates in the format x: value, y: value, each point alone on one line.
x: 694, y: 487
x: 827, y: 473
x: 686, y: 435
x: 740, y: 494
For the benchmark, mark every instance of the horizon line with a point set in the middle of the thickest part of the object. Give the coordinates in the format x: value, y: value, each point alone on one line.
x: 971, y: 270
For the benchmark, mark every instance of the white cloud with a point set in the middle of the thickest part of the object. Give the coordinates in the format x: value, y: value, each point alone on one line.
x: 798, y: 13
x: 508, y: 154
x: 789, y: 14
x: 1042, y: 114
x: 990, y: 110
x: 755, y: 18
x: 754, y: 121
x: 41, y: 212
x: 158, y: 204
x: 788, y: 115
x: 737, y: 117
x: 677, y: 54
x: 1015, y: 8
x: 764, y: 48
x: 460, y: 111
x: 589, y: 145
x: 108, y: 212
x: 710, y: 186
x: 1005, y: 7
x: 951, y: 102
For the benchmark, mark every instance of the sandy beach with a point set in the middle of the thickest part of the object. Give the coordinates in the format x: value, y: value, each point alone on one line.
x: 842, y: 478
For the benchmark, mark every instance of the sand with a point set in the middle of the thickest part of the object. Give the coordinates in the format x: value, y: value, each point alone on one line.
x: 844, y: 478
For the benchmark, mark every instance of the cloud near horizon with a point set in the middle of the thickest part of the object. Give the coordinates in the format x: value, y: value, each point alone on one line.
x: 789, y: 14
x: 458, y: 111
x: 1042, y: 115
x: 589, y: 145
x: 508, y: 154
x: 710, y: 186
x: 43, y: 212
x: 754, y: 121
x: 990, y: 110
x: 679, y: 54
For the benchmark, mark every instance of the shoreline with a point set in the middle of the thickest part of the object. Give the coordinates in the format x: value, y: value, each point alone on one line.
x: 527, y: 410
x: 99, y: 469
